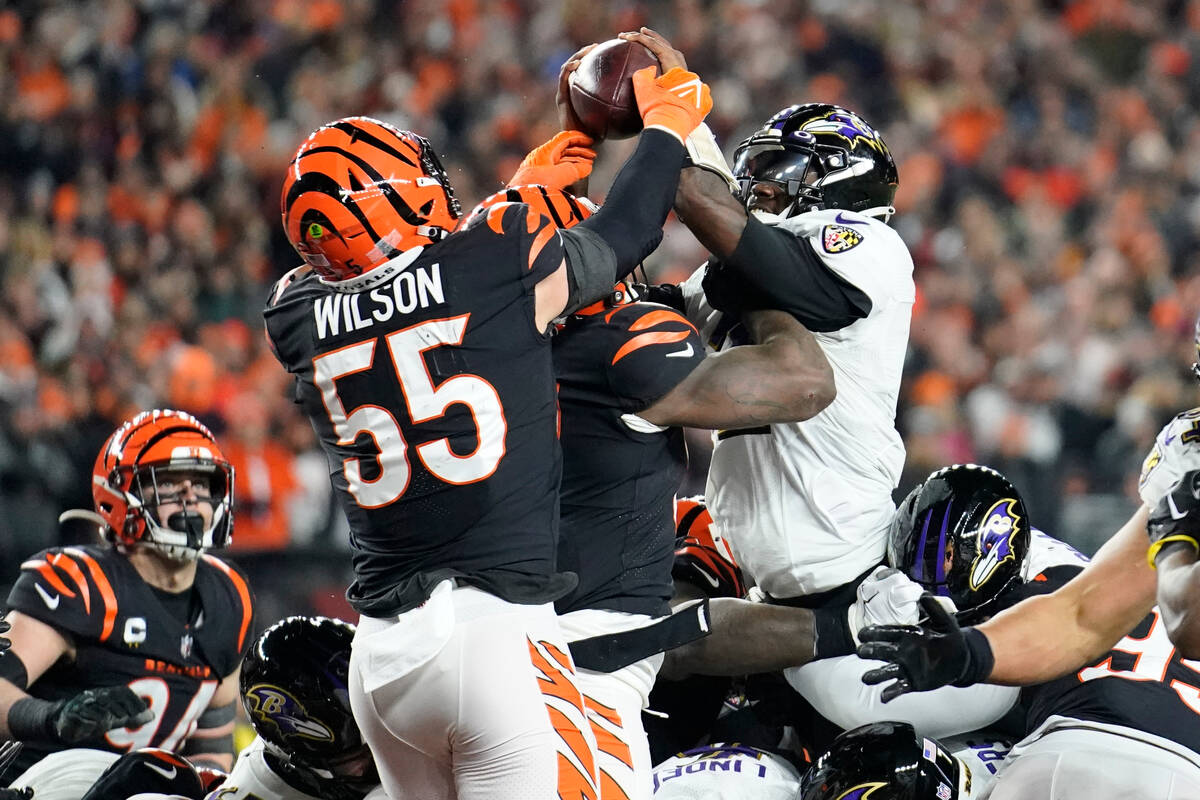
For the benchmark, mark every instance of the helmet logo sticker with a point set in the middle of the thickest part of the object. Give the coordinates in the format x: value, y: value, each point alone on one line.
x: 847, y: 125
x: 839, y: 238
x: 861, y: 792
x: 270, y: 704
x: 999, y: 526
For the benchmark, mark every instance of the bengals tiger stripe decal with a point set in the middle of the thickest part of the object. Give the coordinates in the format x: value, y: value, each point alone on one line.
x: 564, y: 706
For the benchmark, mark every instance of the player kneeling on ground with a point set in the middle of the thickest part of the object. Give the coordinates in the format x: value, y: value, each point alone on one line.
x: 137, y: 644
x: 308, y: 745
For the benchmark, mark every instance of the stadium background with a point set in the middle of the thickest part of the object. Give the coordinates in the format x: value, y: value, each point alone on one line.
x: 1049, y: 158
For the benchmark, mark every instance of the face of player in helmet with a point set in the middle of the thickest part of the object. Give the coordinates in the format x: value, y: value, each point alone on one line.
x: 767, y: 197
x: 181, y: 500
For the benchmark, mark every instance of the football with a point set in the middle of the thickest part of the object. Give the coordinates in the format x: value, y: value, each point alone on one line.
x: 601, y: 89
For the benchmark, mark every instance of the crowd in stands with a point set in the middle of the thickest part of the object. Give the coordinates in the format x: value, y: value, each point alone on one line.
x: 1049, y: 160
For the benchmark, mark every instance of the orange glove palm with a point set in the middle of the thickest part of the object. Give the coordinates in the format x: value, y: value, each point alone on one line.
x: 676, y: 101
x: 558, y: 163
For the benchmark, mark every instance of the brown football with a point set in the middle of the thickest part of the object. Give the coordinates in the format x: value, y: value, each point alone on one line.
x: 602, y: 89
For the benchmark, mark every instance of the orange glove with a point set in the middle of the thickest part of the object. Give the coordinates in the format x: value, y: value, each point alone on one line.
x: 558, y: 163
x: 676, y: 101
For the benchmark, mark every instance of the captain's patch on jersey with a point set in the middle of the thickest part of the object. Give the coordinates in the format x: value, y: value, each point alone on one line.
x: 839, y: 238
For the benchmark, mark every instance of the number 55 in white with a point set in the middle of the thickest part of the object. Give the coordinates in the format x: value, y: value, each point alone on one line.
x: 425, y: 402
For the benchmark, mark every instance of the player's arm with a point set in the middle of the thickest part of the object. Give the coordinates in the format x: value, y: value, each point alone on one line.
x: 1174, y: 534
x: 211, y: 744
x: 1179, y: 597
x: 784, y: 377
x: 76, y: 720
x: 746, y: 638
x: 1047, y: 636
x: 35, y: 646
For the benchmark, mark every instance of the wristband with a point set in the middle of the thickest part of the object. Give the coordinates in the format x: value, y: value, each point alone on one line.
x: 1181, y: 538
x: 980, y: 658
x: 831, y: 633
x: 29, y: 720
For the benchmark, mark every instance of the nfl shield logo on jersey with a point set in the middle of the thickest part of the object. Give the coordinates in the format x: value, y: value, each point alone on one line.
x: 943, y: 792
x: 839, y: 238
x: 185, y: 645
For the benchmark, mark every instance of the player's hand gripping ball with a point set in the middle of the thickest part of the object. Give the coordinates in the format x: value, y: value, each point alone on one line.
x: 601, y: 89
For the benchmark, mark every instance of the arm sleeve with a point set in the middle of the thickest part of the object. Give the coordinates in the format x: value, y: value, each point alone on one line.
x: 791, y: 276
x: 835, y: 689
x: 631, y: 219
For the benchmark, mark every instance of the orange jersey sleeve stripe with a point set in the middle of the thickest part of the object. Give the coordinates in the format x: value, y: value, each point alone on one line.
x: 47, y: 572
x: 107, y: 595
x: 68, y: 565
x: 658, y: 317
x: 647, y: 339
x: 243, y: 591
x: 539, y: 242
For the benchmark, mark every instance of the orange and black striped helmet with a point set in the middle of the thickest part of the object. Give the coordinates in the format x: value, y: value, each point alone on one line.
x: 131, y: 469
x: 563, y: 208
x: 360, y: 192
x: 702, y: 557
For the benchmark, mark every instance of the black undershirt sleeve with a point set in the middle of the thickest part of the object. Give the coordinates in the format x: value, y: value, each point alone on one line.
x: 631, y: 219
x: 786, y: 271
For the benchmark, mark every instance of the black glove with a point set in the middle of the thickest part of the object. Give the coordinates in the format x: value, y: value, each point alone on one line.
x: 85, y: 717
x: 91, y: 714
x: 925, y: 658
x: 5, y: 643
x: 17, y: 794
x: 1176, y: 516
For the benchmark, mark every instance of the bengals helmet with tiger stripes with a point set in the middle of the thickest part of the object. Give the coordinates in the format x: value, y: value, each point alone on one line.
x: 138, y: 457
x: 564, y: 209
x: 360, y: 192
x: 702, y: 557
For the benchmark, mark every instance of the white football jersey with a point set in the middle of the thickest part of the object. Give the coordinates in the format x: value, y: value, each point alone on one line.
x: 834, y: 687
x: 982, y: 753
x: 806, y: 507
x: 728, y: 773
x: 1176, y: 450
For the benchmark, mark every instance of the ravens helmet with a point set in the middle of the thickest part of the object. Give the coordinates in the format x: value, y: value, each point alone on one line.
x: 963, y: 534
x: 821, y: 156
x: 886, y: 761
x: 295, y: 692
x: 360, y: 192
x: 142, y: 465
x: 145, y: 771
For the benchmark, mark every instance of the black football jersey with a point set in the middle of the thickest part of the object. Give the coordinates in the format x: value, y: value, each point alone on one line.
x: 620, y: 473
x: 123, y: 634
x: 432, y: 393
x: 1142, y: 683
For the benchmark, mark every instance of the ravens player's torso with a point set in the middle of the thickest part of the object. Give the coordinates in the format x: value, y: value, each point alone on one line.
x: 173, y: 650
x: 620, y: 472
x: 432, y: 393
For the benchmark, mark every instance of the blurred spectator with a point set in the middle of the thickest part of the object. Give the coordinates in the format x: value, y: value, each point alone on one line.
x: 1049, y: 157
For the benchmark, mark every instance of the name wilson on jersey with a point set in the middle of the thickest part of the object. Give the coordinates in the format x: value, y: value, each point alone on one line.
x: 415, y: 288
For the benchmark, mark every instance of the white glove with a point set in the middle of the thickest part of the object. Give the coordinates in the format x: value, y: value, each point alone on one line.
x: 888, y: 597
x: 704, y: 152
